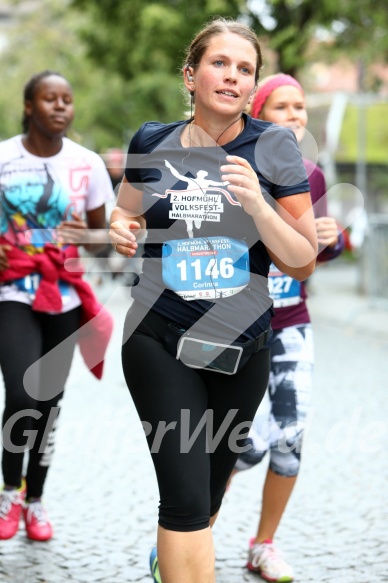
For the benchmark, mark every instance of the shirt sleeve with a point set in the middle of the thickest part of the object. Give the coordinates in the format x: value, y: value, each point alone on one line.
x: 279, y: 161
x: 319, y: 200
x: 317, y: 188
x: 132, y: 172
x: 330, y: 253
x: 100, y: 186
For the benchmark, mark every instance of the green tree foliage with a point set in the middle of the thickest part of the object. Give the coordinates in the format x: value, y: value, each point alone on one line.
x: 145, y: 42
x: 294, y: 27
x: 47, y: 38
x: 124, y: 57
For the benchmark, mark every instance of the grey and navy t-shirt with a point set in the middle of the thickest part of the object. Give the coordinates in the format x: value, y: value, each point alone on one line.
x: 203, y: 252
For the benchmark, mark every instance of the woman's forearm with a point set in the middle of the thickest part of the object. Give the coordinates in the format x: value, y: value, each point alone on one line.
x: 290, y: 242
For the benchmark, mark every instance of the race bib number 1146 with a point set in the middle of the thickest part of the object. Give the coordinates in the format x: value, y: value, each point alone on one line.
x: 205, y: 268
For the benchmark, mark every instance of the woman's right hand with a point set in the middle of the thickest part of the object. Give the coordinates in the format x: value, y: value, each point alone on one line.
x: 123, y: 234
x: 327, y: 231
x: 4, y: 263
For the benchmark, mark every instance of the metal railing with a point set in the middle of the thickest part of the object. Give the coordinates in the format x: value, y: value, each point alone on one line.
x: 376, y: 260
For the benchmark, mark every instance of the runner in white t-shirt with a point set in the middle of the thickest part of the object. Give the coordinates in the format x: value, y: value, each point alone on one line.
x: 52, y: 192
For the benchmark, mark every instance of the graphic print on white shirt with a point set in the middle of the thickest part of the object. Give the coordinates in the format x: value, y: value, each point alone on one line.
x: 36, y: 194
x: 31, y: 202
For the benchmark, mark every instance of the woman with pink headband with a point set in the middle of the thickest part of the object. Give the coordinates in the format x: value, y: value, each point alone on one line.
x: 280, y: 421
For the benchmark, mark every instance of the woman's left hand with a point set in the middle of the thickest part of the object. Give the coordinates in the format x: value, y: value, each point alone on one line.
x: 73, y: 232
x: 243, y: 183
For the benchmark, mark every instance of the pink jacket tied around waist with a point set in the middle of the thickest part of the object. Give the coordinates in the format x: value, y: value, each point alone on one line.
x: 96, y: 322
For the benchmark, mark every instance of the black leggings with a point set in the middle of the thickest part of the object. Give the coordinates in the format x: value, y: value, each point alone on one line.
x: 25, y: 337
x: 191, y: 477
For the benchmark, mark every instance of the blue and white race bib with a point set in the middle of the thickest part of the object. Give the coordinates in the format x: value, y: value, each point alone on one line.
x: 205, y: 267
x: 283, y: 289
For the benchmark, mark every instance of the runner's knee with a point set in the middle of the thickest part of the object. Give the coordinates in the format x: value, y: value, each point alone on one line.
x: 188, y: 510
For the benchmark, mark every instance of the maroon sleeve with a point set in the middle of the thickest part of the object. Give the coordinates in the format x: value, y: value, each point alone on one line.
x: 317, y: 183
x: 319, y: 200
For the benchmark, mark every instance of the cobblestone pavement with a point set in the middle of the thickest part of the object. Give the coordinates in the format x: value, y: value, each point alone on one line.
x: 101, y: 492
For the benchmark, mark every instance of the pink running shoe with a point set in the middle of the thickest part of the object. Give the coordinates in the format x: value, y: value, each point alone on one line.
x: 11, y: 503
x: 38, y: 526
x: 266, y: 560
